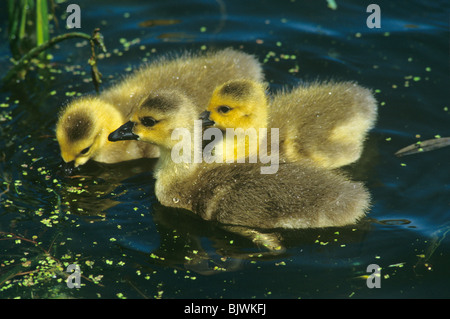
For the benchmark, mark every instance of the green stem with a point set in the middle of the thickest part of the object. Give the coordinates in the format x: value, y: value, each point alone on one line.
x: 94, y: 40
x: 23, y: 21
x: 41, y: 22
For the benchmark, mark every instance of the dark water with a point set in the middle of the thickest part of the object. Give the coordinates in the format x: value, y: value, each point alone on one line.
x: 107, y: 219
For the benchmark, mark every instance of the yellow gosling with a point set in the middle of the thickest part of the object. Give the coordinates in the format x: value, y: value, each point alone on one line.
x: 298, y: 195
x: 325, y: 123
x: 84, y: 124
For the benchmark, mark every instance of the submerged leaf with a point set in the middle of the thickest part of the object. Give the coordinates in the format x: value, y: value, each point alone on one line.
x: 425, y: 146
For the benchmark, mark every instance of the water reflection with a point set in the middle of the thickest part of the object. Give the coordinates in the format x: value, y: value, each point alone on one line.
x: 91, y: 190
x: 185, y: 240
x: 394, y: 222
x: 207, y: 248
x: 437, y: 237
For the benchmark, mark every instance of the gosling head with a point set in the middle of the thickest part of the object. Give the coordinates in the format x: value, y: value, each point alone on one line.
x: 156, y: 117
x: 238, y: 104
x: 82, y: 130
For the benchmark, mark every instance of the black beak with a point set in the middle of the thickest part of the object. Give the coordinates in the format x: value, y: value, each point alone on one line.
x: 206, y: 121
x: 67, y: 169
x: 125, y: 132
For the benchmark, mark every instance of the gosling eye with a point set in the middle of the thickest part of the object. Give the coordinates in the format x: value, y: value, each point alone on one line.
x: 84, y: 151
x: 224, y: 109
x: 148, y: 121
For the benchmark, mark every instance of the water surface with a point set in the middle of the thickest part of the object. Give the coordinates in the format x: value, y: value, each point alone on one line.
x: 108, y: 221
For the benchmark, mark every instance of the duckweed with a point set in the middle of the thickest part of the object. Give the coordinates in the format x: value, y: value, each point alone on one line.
x: 332, y: 4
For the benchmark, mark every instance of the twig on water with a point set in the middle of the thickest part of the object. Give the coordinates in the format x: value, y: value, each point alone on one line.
x: 96, y: 39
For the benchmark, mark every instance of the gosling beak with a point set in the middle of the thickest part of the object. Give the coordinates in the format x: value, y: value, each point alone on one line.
x: 125, y: 132
x: 206, y: 121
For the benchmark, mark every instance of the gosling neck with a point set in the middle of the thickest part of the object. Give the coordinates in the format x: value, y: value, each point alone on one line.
x: 109, y: 119
x: 183, y: 156
x: 261, y: 114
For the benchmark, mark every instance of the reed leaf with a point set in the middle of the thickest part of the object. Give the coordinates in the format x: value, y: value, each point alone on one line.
x: 42, y: 34
x: 28, y: 25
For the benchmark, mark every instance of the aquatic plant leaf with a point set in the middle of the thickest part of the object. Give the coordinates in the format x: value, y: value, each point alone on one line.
x: 425, y: 146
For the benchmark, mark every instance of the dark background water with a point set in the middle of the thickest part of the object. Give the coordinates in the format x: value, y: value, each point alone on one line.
x: 107, y: 219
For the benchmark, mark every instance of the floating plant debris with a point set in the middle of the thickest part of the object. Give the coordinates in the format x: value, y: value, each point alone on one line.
x: 424, y: 146
x: 158, y: 22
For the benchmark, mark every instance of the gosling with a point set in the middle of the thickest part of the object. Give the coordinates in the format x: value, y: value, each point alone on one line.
x: 326, y: 123
x: 84, y: 124
x: 299, y: 195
